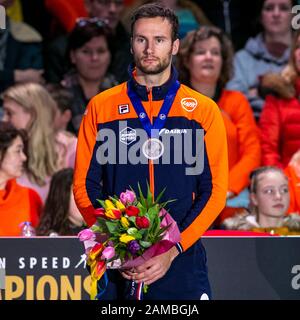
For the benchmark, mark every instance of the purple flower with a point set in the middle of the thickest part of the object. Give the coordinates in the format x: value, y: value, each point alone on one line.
x: 133, y: 246
x: 86, y: 234
x: 127, y: 197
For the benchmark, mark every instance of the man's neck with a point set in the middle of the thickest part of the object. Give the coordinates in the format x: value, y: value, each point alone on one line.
x: 152, y: 80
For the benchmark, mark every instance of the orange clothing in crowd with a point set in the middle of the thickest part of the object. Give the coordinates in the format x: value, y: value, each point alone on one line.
x: 242, y: 139
x: 294, y: 187
x: 243, y: 142
x: 18, y: 204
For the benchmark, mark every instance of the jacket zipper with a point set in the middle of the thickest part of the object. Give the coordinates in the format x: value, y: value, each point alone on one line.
x: 151, y: 164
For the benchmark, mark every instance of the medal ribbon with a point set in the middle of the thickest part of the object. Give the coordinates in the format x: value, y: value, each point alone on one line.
x: 163, y: 113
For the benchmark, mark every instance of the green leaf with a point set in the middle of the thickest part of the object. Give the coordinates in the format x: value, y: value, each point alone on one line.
x: 152, y: 213
x: 159, y: 196
x: 149, y: 196
x: 142, y: 208
x: 132, y: 219
x: 163, y: 204
x: 111, y: 226
x: 141, y: 196
x: 132, y: 231
x: 145, y: 244
x: 102, y: 203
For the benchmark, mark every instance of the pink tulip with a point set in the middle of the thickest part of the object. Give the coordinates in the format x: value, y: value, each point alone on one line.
x: 86, y: 234
x: 127, y: 197
x: 108, y: 253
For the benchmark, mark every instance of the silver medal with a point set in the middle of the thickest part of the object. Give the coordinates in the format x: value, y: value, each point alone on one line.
x: 153, y: 149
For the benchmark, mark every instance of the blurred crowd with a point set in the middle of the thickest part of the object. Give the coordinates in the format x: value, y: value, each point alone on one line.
x: 55, y: 55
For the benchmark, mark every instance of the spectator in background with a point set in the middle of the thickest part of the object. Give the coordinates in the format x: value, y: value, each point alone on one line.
x: 17, y: 203
x: 119, y: 42
x: 20, y: 53
x: 270, y: 198
x: 64, y: 100
x: 205, y: 64
x: 90, y: 57
x: 268, y: 51
x: 280, y: 118
x: 31, y: 107
x: 60, y: 216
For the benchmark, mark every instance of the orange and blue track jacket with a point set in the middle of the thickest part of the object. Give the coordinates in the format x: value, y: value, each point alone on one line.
x: 110, y: 123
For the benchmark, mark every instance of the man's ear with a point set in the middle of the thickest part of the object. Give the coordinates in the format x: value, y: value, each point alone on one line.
x: 131, y: 40
x: 175, y: 47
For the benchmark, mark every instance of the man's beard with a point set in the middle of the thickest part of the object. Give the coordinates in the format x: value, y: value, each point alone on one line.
x: 161, y: 66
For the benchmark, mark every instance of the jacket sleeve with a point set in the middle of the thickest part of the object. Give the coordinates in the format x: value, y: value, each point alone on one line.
x: 270, y: 133
x: 249, y: 146
x: 88, y: 173
x: 212, y: 182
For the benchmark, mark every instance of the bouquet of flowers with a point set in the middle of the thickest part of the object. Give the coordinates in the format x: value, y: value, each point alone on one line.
x: 128, y: 231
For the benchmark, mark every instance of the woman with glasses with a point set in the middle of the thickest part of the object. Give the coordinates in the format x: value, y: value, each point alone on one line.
x: 270, y: 197
x: 90, y: 57
x: 205, y: 64
x: 267, y: 52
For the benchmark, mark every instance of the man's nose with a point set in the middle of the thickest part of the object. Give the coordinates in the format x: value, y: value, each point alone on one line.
x: 150, y: 47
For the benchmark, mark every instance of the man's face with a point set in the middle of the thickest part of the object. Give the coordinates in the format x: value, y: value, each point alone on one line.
x: 109, y: 10
x: 152, y: 45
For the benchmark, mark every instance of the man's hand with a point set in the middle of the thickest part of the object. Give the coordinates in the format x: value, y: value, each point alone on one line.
x: 153, y: 269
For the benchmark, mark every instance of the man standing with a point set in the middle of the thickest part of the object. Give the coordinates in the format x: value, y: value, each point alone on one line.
x: 142, y: 114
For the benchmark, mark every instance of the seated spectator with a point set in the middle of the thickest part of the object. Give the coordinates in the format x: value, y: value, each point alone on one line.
x: 280, y: 118
x: 90, y: 57
x: 60, y: 216
x: 17, y: 204
x: 270, y: 198
x: 205, y: 64
x: 30, y: 107
x: 119, y: 42
x: 267, y: 52
x: 20, y: 53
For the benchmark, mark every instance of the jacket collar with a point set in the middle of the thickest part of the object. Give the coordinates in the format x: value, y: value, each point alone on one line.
x: 159, y: 92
